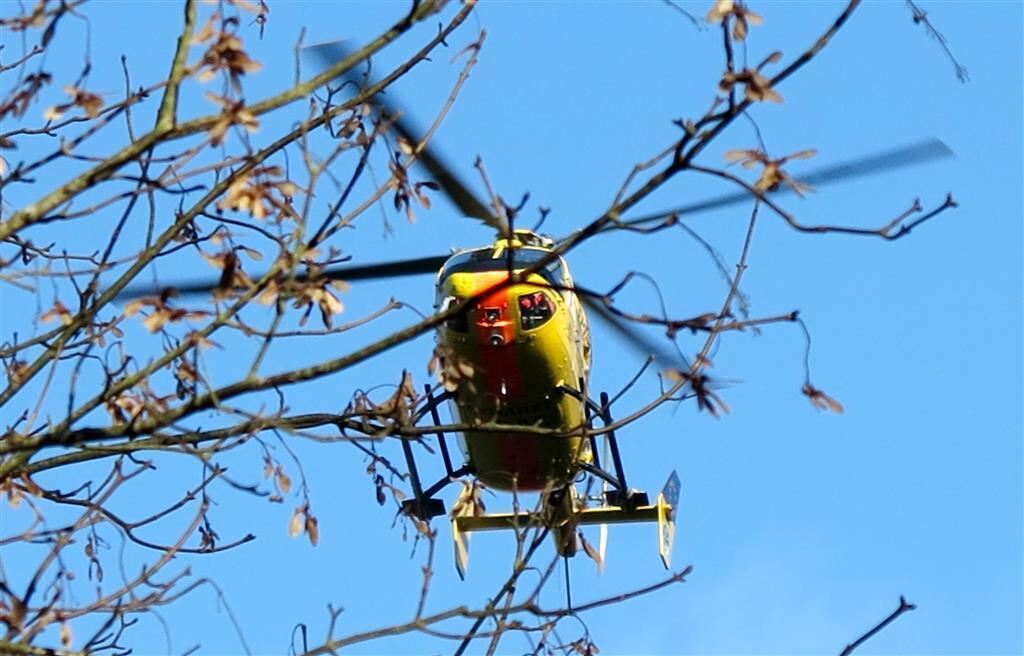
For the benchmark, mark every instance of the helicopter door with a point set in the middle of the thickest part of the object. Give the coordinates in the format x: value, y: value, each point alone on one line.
x: 577, y: 320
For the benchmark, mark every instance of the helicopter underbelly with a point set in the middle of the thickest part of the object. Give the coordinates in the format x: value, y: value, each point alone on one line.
x: 525, y: 461
x: 521, y: 383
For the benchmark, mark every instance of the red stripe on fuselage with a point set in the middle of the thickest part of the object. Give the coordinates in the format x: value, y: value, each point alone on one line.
x: 504, y: 378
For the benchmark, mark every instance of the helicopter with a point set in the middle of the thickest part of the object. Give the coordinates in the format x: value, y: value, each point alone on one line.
x: 529, y: 353
x: 522, y: 336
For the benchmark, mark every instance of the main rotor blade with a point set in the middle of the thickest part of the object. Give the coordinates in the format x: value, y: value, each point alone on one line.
x: 417, y: 266
x: 918, y: 153
x: 636, y: 339
x: 439, y: 169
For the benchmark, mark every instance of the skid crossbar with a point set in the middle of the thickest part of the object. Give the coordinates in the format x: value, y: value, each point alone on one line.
x: 590, y: 516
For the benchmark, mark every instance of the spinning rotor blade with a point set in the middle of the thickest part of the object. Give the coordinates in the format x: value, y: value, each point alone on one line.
x: 919, y: 153
x: 459, y: 193
x: 417, y: 266
x: 637, y: 340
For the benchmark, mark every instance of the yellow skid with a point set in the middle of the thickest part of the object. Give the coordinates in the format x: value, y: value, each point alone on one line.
x: 663, y: 513
x: 498, y: 521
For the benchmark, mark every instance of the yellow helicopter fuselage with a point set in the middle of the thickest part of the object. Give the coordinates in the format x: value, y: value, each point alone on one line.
x: 525, y: 343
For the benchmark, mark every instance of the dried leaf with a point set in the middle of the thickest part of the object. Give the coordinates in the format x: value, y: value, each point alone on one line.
x: 186, y: 373
x: 17, y: 370
x: 30, y: 486
x: 584, y: 647
x: 226, y: 54
x: 742, y: 17
x: 452, y: 370
x: 234, y: 113
x: 89, y: 102
x: 733, y: 156
x: 57, y: 311
x: 207, y: 31
x: 251, y: 252
x: 821, y: 400
x: 295, y: 525
x: 719, y: 10
x: 155, y: 320
x: 196, y: 338
x: 591, y: 551
x: 55, y: 112
x: 330, y: 304
x: 269, y: 294
x: 283, y: 482
x: 13, y: 495
x: 312, y: 529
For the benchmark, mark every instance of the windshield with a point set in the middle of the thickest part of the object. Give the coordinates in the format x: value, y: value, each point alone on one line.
x: 483, y: 260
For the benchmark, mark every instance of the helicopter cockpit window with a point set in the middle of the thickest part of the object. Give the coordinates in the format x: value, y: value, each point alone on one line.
x: 483, y: 259
x: 534, y: 310
x: 459, y: 322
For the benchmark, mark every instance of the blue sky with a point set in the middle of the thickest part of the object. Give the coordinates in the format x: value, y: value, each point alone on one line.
x: 803, y: 527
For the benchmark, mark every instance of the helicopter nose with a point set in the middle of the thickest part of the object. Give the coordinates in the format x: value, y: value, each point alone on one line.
x: 494, y: 327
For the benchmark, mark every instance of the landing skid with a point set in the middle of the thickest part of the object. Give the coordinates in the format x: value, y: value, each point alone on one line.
x: 620, y: 495
x: 564, y: 512
x: 425, y: 506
